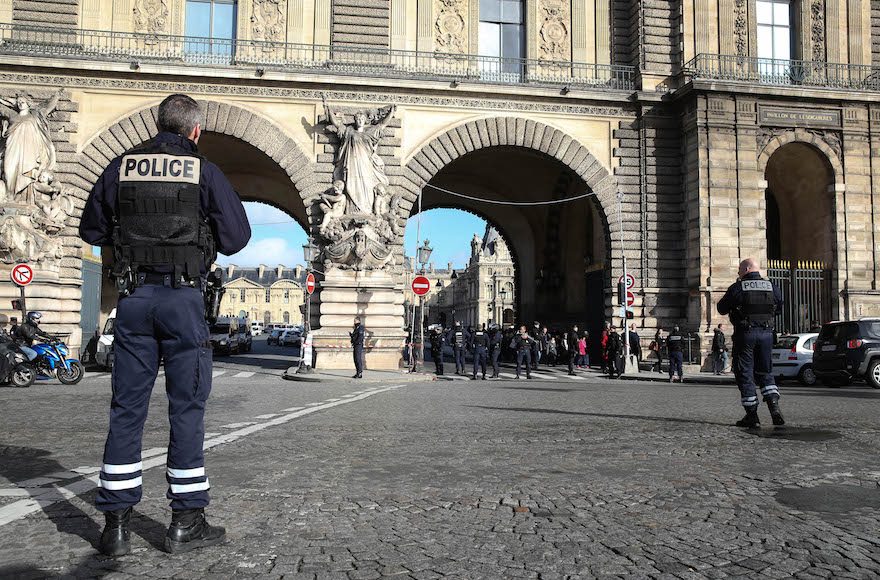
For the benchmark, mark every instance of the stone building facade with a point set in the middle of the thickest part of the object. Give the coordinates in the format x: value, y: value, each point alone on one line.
x: 264, y: 294
x: 701, y: 131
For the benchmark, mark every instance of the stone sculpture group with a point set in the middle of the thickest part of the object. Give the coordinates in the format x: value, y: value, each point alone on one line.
x: 359, y: 222
x: 34, y: 206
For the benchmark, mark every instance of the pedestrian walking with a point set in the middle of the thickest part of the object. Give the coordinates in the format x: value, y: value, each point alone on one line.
x: 523, y: 344
x: 572, y: 343
x: 459, y: 337
x: 635, y: 345
x: 535, y: 333
x: 585, y: 356
x: 752, y: 302
x: 437, y: 343
x: 357, y: 345
x: 480, y: 346
x: 719, y: 351
x: 551, y: 351
x: 582, y: 350
x: 167, y: 212
x: 657, y: 347
x: 603, y: 345
x: 675, y: 346
x: 614, y: 351
x: 495, y: 337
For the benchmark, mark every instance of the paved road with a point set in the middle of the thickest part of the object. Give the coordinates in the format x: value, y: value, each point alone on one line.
x: 549, y: 478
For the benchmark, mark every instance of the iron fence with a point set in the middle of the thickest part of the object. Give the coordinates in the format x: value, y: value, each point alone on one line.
x: 806, y: 291
x: 769, y: 71
x: 336, y: 59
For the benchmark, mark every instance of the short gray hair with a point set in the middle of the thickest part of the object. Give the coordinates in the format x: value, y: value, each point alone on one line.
x: 179, y: 114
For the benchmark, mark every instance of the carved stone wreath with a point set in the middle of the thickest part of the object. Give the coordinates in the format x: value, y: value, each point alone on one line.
x: 451, y: 26
x: 555, y: 41
x: 267, y: 21
x: 151, y: 16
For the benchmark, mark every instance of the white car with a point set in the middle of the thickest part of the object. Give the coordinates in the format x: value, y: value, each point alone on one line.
x: 256, y: 328
x: 104, y: 352
x: 291, y: 337
x: 792, y: 357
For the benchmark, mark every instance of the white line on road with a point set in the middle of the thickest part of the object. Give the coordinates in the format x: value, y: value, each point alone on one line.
x: 238, y: 425
x: 44, y: 497
x: 216, y: 374
x: 243, y: 375
x: 545, y: 377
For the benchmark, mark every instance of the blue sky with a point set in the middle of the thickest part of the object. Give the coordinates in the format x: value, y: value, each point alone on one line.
x: 277, y: 239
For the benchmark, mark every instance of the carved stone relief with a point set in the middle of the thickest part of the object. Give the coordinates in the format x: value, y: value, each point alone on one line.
x: 34, y: 206
x: 555, y: 43
x: 817, y: 30
x: 267, y: 20
x: 832, y: 138
x: 151, y: 16
x: 450, y: 28
x: 741, y: 28
x: 767, y: 134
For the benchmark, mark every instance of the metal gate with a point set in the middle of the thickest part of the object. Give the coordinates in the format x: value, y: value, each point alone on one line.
x: 91, y: 298
x: 806, y: 291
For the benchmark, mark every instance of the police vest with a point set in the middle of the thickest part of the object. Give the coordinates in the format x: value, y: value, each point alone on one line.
x: 757, y: 302
x: 159, y: 212
x: 480, y: 338
x: 459, y: 338
x: 673, y: 343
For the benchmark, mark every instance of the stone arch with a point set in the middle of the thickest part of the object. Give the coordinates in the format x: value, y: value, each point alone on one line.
x: 802, y: 136
x: 220, y: 117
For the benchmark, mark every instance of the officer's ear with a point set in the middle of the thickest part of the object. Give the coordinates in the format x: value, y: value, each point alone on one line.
x: 196, y: 133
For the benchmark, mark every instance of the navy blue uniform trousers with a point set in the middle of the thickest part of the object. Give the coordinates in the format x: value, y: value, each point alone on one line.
x: 524, y: 353
x: 753, y: 363
x: 158, y: 322
x: 358, y: 358
x: 496, y: 352
x: 459, y: 359
x: 479, y: 359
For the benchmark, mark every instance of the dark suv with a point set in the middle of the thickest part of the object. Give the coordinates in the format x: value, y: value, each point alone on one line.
x: 848, y: 350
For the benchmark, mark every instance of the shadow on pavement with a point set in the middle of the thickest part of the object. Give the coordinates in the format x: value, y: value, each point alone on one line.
x: 870, y: 394
x: 539, y: 389
x: 606, y: 415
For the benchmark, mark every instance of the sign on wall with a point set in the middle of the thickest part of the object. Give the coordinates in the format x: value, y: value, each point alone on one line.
x: 798, y: 117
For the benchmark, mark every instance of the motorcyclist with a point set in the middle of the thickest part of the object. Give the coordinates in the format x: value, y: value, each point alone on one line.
x: 28, y: 331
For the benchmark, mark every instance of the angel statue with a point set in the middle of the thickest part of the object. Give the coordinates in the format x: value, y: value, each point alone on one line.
x: 28, y: 150
x: 358, y: 163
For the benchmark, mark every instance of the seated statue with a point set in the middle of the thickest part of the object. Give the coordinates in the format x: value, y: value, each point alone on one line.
x: 333, y: 206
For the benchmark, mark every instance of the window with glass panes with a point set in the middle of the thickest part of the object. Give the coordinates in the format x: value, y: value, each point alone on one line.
x: 774, y: 29
x: 242, y: 294
x: 268, y: 296
x: 213, y: 19
x: 287, y: 296
x: 502, y: 34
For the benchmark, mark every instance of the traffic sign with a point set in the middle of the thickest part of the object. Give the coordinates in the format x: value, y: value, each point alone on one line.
x: 421, y: 285
x: 310, y: 283
x: 22, y: 274
x: 630, y: 298
x: 630, y: 281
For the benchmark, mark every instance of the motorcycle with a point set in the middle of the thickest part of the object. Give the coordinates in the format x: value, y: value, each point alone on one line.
x: 53, y: 361
x: 21, y: 374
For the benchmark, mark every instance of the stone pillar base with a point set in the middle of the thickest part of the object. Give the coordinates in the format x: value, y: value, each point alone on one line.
x: 383, y: 350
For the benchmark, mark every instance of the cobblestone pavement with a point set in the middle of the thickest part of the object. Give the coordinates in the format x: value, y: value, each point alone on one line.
x: 549, y: 478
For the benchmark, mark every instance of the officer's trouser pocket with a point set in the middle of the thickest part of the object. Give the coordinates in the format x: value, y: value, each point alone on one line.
x: 203, y: 373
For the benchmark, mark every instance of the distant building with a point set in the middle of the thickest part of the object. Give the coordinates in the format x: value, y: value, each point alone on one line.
x: 484, y: 291
x: 263, y: 293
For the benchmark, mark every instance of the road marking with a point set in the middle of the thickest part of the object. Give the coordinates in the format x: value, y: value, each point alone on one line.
x: 237, y: 425
x: 216, y: 374
x: 269, y: 416
x: 507, y: 375
x: 291, y: 410
x: 243, y: 375
x: 545, y: 377
x: 45, y: 497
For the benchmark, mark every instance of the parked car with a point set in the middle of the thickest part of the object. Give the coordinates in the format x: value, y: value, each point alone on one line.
x: 274, y: 336
x: 848, y: 350
x: 104, y: 353
x: 224, y: 335
x: 793, y: 358
x: 291, y: 337
x: 256, y: 328
x: 245, y: 337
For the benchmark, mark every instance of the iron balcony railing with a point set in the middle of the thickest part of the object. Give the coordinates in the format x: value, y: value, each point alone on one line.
x: 770, y: 71
x: 342, y: 60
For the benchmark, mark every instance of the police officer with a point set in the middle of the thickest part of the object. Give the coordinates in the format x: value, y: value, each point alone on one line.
x: 573, y: 352
x: 537, y: 345
x: 479, y: 345
x: 357, y: 346
x: 523, y: 343
x: 614, y: 347
x: 459, y: 339
x: 675, y: 351
x: 166, y: 211
x: 495, y: 337
x: 437, y: 342
x: 752, y: 302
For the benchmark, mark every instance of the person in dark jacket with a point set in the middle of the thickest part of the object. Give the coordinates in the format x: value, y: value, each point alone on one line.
x: 28, y: 332
x: 437, y: 343
x: 614, y: 352
x: 719, y: 351
x: 459, y: 338
x: 165, y: 211
x: 537, y: 345
x: 635, y: 345
x: 675, y: 346
x: 659, y: 345
x: 573, y: 352
x: 357, y: 345
x: 495, y: 338
x: 479, y: 347
x: 523, y: 345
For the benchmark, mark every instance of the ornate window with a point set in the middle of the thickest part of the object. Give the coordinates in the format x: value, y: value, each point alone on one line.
x: 214, y: 19
x: 774, y: 29
x: 502, y: 35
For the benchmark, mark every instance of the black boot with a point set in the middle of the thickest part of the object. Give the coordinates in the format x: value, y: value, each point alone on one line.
x: 751, y: 419
x: 773, y: 405
x: 116, y: 537
x: 189, y: 530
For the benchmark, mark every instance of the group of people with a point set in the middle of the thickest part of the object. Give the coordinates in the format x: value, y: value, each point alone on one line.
x: 23, y: 336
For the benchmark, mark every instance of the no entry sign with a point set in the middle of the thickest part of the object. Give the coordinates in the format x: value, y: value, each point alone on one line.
x: 310, y: 283
x: 22, y: 274
x: 421, y: 285
x: 630, y: 298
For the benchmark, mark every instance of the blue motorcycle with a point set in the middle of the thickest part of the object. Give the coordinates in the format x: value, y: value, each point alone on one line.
x: 53, y: 361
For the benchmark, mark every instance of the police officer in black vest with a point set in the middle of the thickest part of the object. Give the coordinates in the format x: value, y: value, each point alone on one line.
x: 752, y: 302
x: 495, y: 336
x: 480, y: 345
x: 523, y: 343
x: 166, y: 212
x: 675, y: 349
x: 459, y: 337
x: 357, y: 345
x: 437, y: 342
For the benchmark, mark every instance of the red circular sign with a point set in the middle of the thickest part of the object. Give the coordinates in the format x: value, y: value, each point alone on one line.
x: 421, y: 285
x: 630, y: 298
x: 310, y: 283
x: 22, y: 274
x: 630, y: 281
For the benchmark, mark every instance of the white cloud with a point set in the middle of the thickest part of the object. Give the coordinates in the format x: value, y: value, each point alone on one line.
x: 260, y: 213
x: 268, y: 251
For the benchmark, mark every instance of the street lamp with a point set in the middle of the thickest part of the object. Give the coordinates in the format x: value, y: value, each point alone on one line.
x: 425, y: 254
x: 503, y: 299
x: 454, y: 277
x: 310, y: 251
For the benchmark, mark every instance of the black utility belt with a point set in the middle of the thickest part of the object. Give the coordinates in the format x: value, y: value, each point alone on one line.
x: 167, y: 280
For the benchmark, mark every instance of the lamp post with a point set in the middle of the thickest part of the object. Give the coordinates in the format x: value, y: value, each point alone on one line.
x: 454, y: 277
x: 310, y: 252
x: 503, y: 299
x: 424, y: 256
